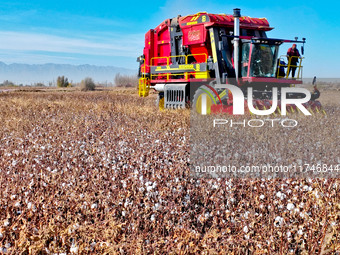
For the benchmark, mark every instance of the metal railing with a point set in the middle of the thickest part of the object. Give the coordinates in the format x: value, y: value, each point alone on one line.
x: 168, y: 59
x: 177, y: 56
x: 282, y: 65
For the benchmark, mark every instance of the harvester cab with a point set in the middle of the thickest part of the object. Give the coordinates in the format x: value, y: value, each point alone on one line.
x: 184, y: 54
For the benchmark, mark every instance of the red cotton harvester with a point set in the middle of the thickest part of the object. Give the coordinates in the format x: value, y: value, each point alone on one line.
x: 185, y: 57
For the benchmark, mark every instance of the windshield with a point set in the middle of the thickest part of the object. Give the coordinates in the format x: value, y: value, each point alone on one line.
x: 263, y: 60
x: 245, y: 59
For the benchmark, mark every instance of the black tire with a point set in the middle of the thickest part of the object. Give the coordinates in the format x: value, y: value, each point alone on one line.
x: 196, y: 102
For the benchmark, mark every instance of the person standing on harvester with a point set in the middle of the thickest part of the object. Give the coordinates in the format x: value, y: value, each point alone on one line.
x: 293, y: 54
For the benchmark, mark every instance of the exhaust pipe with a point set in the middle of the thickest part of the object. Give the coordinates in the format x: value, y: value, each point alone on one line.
x: 237, y: 15
x: 159, y: 87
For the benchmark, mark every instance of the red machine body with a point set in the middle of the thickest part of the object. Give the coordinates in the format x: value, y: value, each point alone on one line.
x: 213, y: 49
x: 195, y: 29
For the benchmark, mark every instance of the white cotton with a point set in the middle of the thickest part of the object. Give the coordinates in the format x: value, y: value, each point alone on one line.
x: 74, y: 249
x: 290, y: 206
x: 279, y: 220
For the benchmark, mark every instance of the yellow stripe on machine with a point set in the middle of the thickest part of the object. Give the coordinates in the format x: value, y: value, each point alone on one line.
x: 191, y: 23
x: 223, y: 93
x: 213, y: 47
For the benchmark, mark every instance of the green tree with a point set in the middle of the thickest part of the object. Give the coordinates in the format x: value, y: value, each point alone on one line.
x: 62, y: 82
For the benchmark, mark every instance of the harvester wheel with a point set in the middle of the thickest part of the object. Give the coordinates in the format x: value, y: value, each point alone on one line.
x: 203, y: 99
x: 160, y: 101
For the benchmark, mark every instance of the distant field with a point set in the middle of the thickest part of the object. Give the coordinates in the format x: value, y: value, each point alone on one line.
x: 105, y: 172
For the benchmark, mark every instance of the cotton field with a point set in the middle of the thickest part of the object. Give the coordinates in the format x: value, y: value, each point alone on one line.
x: 106, y: 173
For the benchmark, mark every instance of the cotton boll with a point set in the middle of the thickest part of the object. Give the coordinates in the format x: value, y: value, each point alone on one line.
x: 290, y: 206
x: 74, y: 249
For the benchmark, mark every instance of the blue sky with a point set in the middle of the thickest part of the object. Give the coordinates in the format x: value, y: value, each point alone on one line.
x: 112, y: 32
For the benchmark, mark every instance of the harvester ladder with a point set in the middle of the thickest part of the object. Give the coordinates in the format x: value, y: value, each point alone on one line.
x: 143, y: 84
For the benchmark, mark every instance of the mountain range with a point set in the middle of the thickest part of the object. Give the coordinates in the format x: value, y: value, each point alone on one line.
x: 48, y: 73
